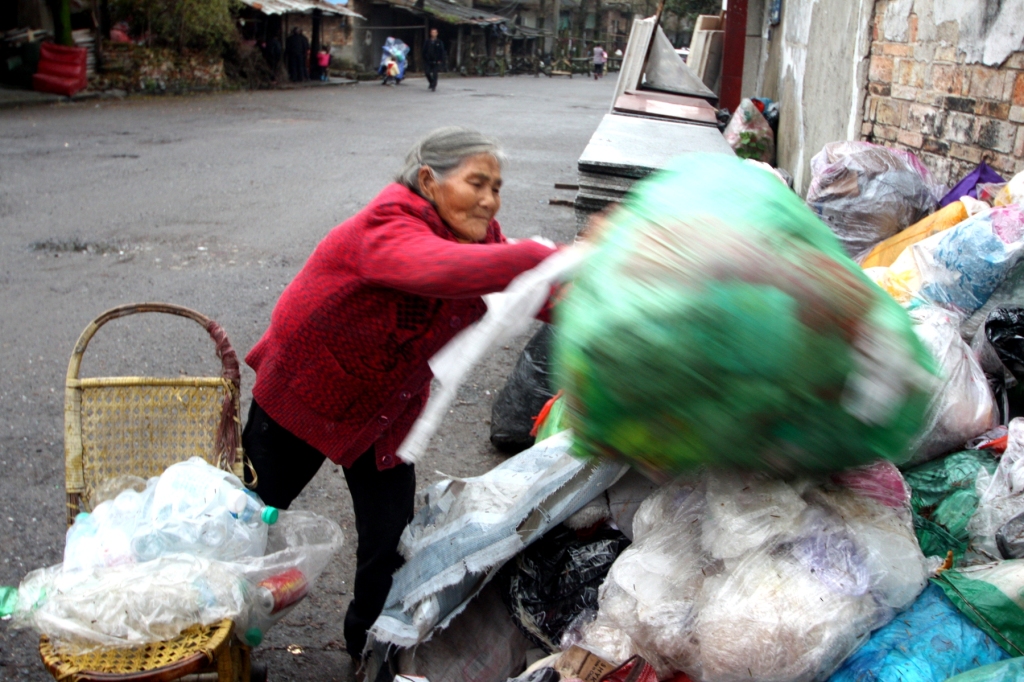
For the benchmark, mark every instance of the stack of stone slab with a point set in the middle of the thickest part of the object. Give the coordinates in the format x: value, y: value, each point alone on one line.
x: 660, y: 111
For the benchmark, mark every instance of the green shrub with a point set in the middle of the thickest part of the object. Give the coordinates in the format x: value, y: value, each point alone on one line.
x: 193, y: 24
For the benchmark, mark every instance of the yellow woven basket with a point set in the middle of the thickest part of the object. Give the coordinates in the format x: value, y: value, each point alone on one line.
x: 138, y: 426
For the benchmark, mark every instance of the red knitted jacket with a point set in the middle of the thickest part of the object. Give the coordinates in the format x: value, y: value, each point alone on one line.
x: 343, y: 365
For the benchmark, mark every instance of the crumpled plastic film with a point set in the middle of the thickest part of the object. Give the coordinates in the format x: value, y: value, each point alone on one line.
x: 816, y: 568
x: 867, y: 193
x: 962, y: 407
x: 714, y: 304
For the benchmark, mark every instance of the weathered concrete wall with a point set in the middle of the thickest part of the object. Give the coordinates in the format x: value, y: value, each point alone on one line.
x: 947, y: 82
x: 814, y: 62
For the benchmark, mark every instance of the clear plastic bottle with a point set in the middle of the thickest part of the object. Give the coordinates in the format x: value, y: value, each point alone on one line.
x: 249, y: 508
x: 104, y: 537
x: 274, y: 598
x: 201, y: 510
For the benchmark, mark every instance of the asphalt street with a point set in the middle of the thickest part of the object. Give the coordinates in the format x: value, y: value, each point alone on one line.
x: 214, y: 202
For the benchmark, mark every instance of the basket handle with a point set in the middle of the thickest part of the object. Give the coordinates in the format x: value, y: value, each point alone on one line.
x: 229, y: 430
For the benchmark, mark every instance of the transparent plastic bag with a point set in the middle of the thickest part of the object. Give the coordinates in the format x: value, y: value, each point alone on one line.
x: 749, y: 134
x: 867, y: 193
x: 815, y: 569
x: 109, y: 593
x: 1000, y: 498
x: 963, y: 406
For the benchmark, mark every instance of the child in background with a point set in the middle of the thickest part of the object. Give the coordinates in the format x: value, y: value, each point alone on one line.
x: 323, y: 60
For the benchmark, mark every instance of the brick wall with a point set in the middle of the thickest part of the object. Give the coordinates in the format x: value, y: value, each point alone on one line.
x: 922, y: 96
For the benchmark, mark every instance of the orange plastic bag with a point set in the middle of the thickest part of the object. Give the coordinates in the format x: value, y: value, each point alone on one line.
x: 886, y: 252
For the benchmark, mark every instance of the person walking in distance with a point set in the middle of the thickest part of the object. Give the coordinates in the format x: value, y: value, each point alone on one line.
x: 600, y: 59
x: 294, y: 55
x: 434, y: 57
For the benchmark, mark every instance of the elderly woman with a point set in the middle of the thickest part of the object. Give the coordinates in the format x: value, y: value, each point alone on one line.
x: 341, y: 373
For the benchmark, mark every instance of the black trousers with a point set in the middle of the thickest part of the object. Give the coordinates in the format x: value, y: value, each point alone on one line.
x: 431, y: 72
x: 383, y: 503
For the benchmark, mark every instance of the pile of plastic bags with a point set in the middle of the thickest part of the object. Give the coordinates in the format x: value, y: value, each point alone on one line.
x: 716, y: 304
x: 738, y: 575
x: 194, y: 547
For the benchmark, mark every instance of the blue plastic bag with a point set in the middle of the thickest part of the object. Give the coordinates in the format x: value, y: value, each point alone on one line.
x: 929, y: 642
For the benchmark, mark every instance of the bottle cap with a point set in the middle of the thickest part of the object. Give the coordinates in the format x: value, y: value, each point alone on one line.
x: 81, y: 515
x: 269, y: 515
x: 253, y: 636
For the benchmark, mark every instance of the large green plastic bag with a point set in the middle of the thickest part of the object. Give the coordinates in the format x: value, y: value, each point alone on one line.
x: 1011, y: 670
x: 992, y: 596
x: 720, y: 322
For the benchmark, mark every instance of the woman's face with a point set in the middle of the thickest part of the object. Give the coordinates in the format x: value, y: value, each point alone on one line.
x: 468, y: 198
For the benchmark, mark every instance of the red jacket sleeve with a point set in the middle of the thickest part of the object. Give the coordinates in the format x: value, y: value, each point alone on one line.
x: 405, y: 254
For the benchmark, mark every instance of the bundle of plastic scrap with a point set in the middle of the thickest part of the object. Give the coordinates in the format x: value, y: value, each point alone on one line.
x: 867, y: 193
x: 192, y: 548
x: 737, y: 576
x: 944, y: 498
x: 714, y: 304
x: 961, y: 267
x: 889, y: 250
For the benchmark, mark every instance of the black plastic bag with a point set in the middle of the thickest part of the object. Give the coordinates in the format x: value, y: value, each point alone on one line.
x: 1010, y: 538
x: 553, y: 581
x: 523, y: 396
x: 999, y: 345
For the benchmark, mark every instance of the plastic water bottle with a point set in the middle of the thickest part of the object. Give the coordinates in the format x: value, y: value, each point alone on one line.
x: 201, y: 510
x: 247, y: 507
x: 103, y: 538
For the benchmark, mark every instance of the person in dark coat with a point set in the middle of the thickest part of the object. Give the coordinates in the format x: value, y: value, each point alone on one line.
x: 304, y: 59
x: 434, y: 58
x: 294, y: 55
x: 342, y: 373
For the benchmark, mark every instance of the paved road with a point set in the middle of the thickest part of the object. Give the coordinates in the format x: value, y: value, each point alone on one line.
x: 214, y: 202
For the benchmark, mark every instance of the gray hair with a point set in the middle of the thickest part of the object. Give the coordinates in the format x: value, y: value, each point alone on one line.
x: 442, y: 151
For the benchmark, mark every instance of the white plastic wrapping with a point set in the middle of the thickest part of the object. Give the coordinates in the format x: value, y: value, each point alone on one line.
x: 192, y: 548
x: 737, y: 577
x: 963, y: 406
x: 508, y: 313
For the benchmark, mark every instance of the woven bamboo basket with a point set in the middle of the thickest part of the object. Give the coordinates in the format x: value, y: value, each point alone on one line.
x: 138, y: 426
